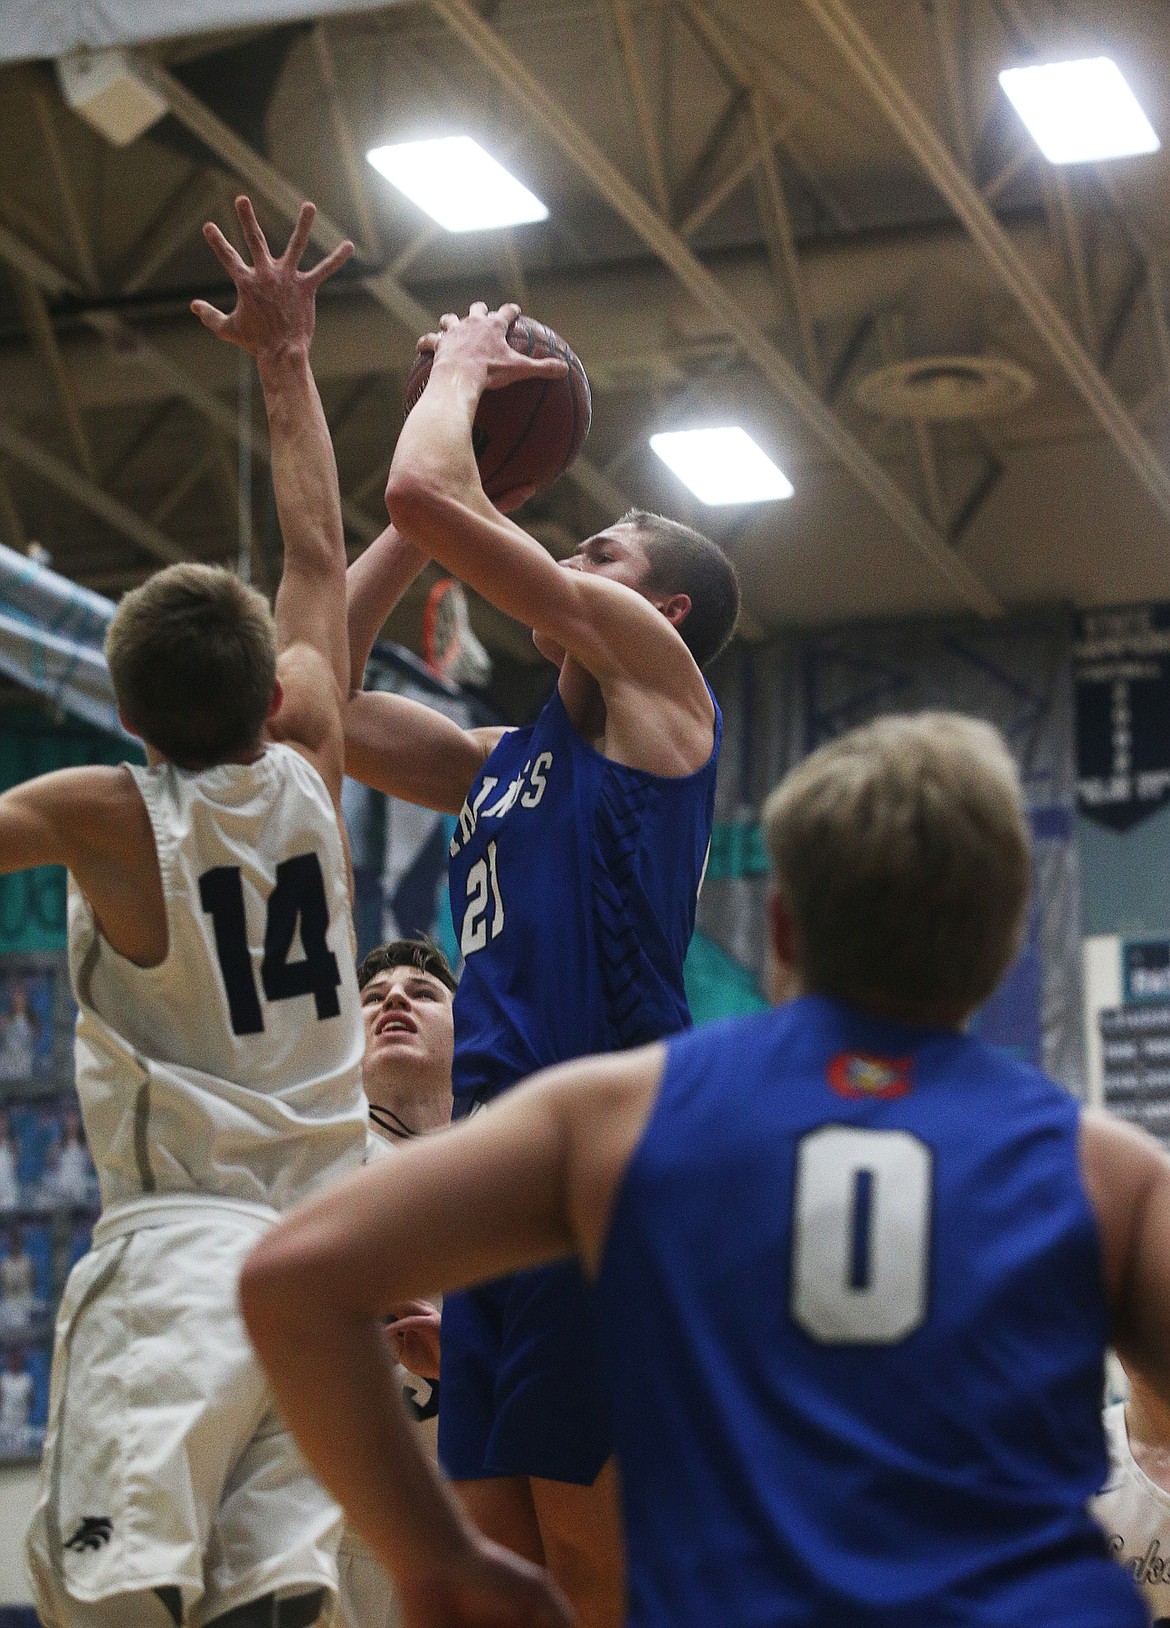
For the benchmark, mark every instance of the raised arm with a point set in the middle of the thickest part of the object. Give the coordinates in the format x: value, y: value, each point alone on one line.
x: 273, y: 321
x: 435, y: 498
x: 374, y: 584
x: 395, y: 745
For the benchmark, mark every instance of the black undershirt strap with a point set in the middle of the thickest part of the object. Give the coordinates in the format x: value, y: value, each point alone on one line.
x: 386, y: 1119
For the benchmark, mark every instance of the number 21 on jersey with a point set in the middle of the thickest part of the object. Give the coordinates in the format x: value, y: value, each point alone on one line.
x: 484, y: 916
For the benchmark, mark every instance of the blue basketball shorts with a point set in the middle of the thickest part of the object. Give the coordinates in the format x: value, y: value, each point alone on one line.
x: 522, y: 1392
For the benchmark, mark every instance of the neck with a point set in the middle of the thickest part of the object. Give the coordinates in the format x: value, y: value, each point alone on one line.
x: 400, y: 1111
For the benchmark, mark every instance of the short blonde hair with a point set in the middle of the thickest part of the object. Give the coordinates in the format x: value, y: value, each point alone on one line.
x: 192, y: 656
x: 902, y: 851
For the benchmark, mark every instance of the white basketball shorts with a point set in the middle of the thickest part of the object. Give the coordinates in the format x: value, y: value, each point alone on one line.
x: 165, y: 1462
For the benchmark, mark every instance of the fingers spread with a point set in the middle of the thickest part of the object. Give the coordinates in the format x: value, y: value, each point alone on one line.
x: 509, y: 311
x: 428, y: 342
x: 299, y: 240
x: 477, y: 308
x: 331, y: 263
x: 223, y: 252
x: 250, y: 227
x: 448, y: 320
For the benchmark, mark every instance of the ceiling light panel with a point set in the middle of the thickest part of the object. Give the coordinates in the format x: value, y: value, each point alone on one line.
x: 1080, y: 112
x: 458, y: 184
x: 722, y: 466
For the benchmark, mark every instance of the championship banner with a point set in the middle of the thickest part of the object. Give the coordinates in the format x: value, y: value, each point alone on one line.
x: 1122, y: 671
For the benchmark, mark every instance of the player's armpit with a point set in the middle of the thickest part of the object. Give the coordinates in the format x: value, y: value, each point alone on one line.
x: 1127, y: 1177
x: 408, y: 750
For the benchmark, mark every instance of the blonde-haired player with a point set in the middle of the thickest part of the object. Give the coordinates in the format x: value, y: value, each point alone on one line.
x: 855, y: 1271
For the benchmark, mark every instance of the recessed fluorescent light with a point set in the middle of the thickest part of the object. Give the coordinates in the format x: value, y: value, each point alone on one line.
x: 722, y: 466
x: 457, y: 184
x: 1079, y: 112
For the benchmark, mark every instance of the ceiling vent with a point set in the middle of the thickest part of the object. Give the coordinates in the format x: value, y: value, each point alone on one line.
x: 946, y: 387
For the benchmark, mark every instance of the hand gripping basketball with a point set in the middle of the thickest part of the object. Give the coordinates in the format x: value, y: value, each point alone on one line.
x: 532, y: 418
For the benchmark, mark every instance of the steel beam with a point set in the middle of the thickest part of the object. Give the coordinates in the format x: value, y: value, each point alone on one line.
x: 543, y: 108
x: 863, y: 57
x: 40, y: 327
x: 651, y: 145
x: 267, y: 182
x: 66, y: 479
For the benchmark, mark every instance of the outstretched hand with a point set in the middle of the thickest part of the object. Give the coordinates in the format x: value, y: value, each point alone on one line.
x: 275, y: 304
x: 489, y: 1587
x: 480, y: 340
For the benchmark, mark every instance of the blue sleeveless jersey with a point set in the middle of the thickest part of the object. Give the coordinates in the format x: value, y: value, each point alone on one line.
x: 574, y: 882
x: 853, y: 1324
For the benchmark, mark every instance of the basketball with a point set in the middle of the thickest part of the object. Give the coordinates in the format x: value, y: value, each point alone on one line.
x: 530, y: 432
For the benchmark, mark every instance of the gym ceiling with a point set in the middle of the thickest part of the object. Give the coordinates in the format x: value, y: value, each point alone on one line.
x: 818, y: 218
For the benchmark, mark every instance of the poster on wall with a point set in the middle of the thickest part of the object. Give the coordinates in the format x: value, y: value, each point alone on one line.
x: 1122, y: 668
x: 48, y: 1186
x: 1135, y: 1039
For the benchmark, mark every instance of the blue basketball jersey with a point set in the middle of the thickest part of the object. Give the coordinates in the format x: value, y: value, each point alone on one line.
x: 574, y: 882
x: 853, y: 1325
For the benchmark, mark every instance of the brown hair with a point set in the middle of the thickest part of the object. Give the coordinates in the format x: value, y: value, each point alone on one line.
x: 421, y: 953
x: 683, y: 561
x: 902, y: 851
x: 192, y: 655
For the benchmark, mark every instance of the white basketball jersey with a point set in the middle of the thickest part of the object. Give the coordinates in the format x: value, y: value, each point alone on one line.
x: 232, y: 1069
x: 1135, y: 1513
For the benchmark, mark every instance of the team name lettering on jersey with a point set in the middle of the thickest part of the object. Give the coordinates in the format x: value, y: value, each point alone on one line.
x: 1151, y: 1567
x: 527, y: 788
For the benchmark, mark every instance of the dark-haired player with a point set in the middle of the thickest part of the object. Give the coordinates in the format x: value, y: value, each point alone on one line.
x: 219, y: 1042
x: 575, y: 870
x: 406, y: 992
x: 855, y: 1271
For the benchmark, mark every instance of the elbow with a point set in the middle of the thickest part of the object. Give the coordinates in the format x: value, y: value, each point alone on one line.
x: 411, y: 499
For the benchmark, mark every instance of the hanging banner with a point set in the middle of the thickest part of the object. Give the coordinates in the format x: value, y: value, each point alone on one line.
x: 1122, y: 670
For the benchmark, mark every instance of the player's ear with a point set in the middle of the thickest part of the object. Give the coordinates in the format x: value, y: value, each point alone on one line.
x: 277, y: 700
x: 782, y: 972
x: 127, y: 725
x: 676, y: 609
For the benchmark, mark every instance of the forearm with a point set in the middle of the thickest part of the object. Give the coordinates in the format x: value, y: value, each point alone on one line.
x: 363, y: 1446
x: 304, y: 472
x: 374, y: 584
x: 436, y: 500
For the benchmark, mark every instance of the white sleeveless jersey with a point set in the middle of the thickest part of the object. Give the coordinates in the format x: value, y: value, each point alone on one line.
x: 1135, y: 1513
x: 232, y: 1069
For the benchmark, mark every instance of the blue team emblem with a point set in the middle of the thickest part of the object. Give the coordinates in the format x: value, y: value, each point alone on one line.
x: 860, y: 1075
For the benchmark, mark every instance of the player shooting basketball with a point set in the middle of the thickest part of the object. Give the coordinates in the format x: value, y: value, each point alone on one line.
x: 575, y: 871
x: 855, y: 1270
